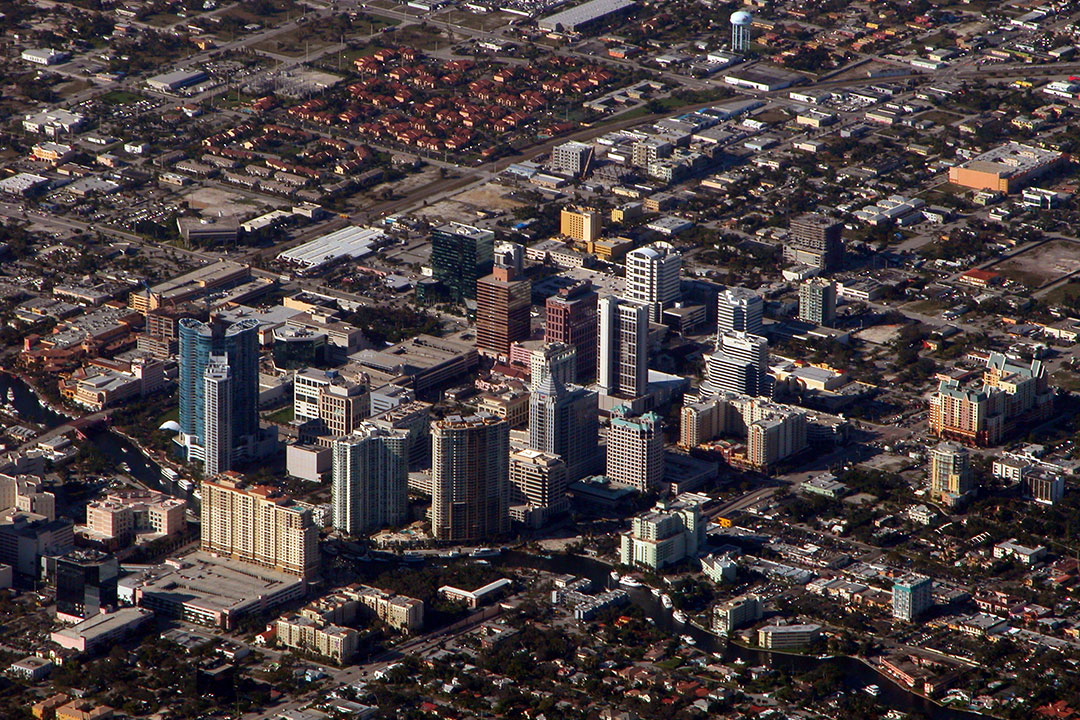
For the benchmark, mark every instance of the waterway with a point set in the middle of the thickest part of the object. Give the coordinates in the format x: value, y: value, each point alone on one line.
x: 855, y: 673
x: 111, y: 444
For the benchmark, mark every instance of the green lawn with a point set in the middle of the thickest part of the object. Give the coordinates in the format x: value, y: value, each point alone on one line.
x: 284, y: 416
x: 120, y: 97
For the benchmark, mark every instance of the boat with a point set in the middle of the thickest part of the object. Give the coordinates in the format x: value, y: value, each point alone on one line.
x: 665, y: 600
x: 655, y: 592
x: 169, y: 474
x: 689, y: 640
x: 485, y: 552
x: 451, y: 554
x: 412, y: 557
x: 10, y: 396
x: 630, y: 581
x: 125, y: 467
x: 184, y: 483
x: 680, y: 616
x: 873, y: 690
x: 614, y: 576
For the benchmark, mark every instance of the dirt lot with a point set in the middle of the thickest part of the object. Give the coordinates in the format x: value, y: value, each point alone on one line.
x: 1043, y: 264
x: 214, y: 201
x: 489, y: 197
x: 476, y: 21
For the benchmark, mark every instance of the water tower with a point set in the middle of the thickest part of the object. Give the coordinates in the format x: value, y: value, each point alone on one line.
x: 740, y: 30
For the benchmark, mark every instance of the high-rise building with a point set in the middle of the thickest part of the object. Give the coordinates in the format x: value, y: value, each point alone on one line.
x: 652, y: 277
x: 553, y: 358
x: 563, y: 422
x: 243, y: 439
x: 371, y: 478
x: 581, y: 224
x: 816, y: 241
x: 460, y: 255
x: 965, y: 414
x: 740, y: 364
x: 817, y: 302
x: 776, y: 437
x: 635, y: 450
x: 739, y: 310
x: 622, y: 362
x: 950, y: 472
x: 470, y: 485
x: 503, y: 303
x: 571, y: 318
x: 85, y: 584
x: 571, y: 158
x: 328, y: 403
x: 736, y: 613
x: 538, y: 485
x: 665, y: 535
x: 911, y: 597
x: 217, y: 400
x: 255, y: 524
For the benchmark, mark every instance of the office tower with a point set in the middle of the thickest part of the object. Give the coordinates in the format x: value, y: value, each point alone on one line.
x: 553, y: 358
x: 736, y: 613
x: 295, y: 348
x: 470, y: 485
x: 581, y: 224
x: 328, y: 403
x: 635, y: 449
x: 911, y: 597
x: 817, y: 302
x: 503, y: 303
x: 1044, y: 487
x: 739, y: 310
x: 816, y: 241
x: 671, y: 531
x: 371, y: 478
x: 740, y: 30
x: 510, y: 255
x: 217, y: 398
x: 571, y: 318
x: 652, y: 277
x: 740, y: 364
x: 254, y: 524
x: 460, y: 255
x: 563, y: 421
x: 239, y: 343
x: 622, y: 362
x: 571, y: 158
x: 950, y: 472
x: 538, y: 481
x: 773, y: 438
x: 85, y: 584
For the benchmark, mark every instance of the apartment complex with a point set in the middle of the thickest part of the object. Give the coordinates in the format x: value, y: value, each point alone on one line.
x: 470, y: 481
x: 671, y: 531
x: 635, y: 450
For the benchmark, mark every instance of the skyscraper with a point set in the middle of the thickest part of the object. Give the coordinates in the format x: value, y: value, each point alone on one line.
x: 460, y: 255
x: 257, y: 525
x: 816, y: 241
x: 371, y: 478
x: 652, y: 277
x: 217, y: 398
x: 502, y: 311
x: 231, y: 353
x: 911, y: 597
x: 581, y: 224
x: 740, y: 364
x: 571, y: 319
x: 538, y: 480
x: 571, y: 158
x: 563, y: 422
x: 950, y: 472
x: 622, y: 363
x: 470, y: 481
x: 817, y: 302
x: 85, y: 584
x: 553, y: 358
x: 740, y: 310
x: 635, y: 449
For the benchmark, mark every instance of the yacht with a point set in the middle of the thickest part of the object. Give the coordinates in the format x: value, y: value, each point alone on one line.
x: 655, y: 592
x: 125, y: 467
x: 169, y: 474
x: 184, y: 483
x: 689, y: 640
x: 665, y: 600
x: 630, y: 581
x: 10, y: 395
x: 614, y: 576
x: 680, y: 616
x: 872, y: 690
x: 485, y: 552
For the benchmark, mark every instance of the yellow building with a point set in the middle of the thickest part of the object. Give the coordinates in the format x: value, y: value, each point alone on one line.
x: 609, y: 249
x: 581, y: 224
x: 1006, y: 168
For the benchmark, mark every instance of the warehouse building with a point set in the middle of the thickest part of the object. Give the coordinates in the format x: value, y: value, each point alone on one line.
x: 581, y: 18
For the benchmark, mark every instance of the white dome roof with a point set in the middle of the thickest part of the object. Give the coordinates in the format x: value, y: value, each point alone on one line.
x: 170, y: 425
x: 741, y: 18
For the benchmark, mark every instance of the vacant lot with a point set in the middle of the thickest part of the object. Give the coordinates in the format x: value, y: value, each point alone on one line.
x: 1041, y: 265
